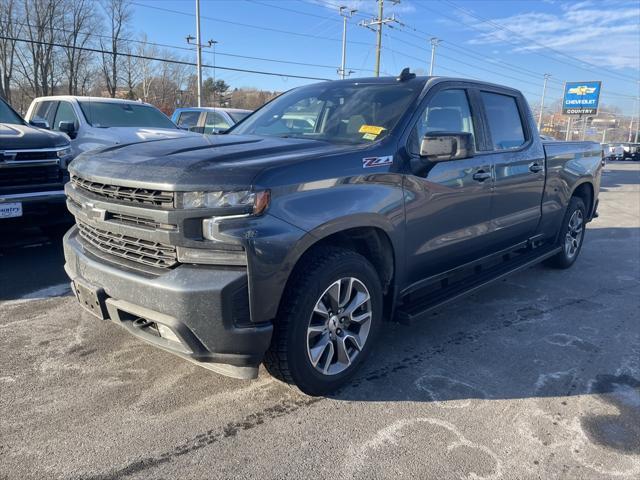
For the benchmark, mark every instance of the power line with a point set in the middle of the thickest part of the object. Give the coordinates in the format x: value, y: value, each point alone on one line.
x: 178, y: 47
x: 248, y: 25
x: 157, y: 59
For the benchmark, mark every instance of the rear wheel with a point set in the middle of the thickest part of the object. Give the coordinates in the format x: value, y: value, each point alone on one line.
x: 571, y: 235
x: 328, y: 321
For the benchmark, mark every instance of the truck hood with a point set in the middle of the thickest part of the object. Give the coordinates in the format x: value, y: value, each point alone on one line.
x: 201, y: 162
x: 19, y: 137
x: 142, y: 134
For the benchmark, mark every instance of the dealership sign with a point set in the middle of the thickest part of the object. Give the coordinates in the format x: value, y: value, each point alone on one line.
x: 581, y: 98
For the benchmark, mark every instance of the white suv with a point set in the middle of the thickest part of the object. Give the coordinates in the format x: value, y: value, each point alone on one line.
x: 94, y: 122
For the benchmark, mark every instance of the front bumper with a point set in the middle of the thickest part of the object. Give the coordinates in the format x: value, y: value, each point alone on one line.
x: 39, y: 209
x: 205, y: 307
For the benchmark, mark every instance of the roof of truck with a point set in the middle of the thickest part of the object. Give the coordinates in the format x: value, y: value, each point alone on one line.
x: 90, y: 99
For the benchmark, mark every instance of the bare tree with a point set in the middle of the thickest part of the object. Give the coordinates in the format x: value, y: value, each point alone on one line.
x: 10, y: 28
x: 38, y: 61
x: 148, y: 68
x: 118, y: 14
x: 79, y: 22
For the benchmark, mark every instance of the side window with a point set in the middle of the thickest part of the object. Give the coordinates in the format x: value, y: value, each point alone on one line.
x: 64, y: 113
x: 188, y: 119
x: 45, y: 111
x: 215, y: 121
x: 505, y: 123
x: 447, y: 111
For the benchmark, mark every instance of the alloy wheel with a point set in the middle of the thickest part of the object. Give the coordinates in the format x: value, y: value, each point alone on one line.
x: 339, y: 326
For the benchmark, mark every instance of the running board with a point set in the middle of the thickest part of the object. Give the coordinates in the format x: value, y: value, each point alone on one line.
x: 418, y: 309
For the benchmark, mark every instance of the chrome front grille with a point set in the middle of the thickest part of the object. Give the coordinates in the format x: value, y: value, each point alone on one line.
x: 141, y: 196
x: 137, y: 221
x: 137, y: 250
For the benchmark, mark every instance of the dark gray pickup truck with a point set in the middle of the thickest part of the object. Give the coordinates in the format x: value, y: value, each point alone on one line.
x: 289, y: 240
x: 33, y: 171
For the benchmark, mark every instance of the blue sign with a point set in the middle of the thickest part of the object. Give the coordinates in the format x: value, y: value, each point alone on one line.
x: 581, y: 98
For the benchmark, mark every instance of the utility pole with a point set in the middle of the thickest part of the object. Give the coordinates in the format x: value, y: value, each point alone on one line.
x: 379, y: 22
x: 434, y: 43
x: 544, y: 90
x: 635, y: 137
x: 567, y: 137
x: 346, y: 13
x: 198, y: 52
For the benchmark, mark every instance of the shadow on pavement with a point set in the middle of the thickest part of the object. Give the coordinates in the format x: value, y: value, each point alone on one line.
x: 29, y: 261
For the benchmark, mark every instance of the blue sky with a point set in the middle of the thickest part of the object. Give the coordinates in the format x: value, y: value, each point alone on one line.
x: 504, y: 41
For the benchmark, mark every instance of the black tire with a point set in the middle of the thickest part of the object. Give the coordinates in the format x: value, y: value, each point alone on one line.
x: 568, y: 256
x: 287, y: 358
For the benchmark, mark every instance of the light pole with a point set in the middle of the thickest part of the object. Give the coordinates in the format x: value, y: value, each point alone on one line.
x: 544, y: 90
x: 346, y: 13
x: 434, y: 43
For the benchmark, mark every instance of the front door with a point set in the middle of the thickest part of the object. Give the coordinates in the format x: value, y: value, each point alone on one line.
x: 448, y: 209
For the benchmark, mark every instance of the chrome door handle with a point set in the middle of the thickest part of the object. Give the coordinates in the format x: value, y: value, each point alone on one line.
x: 481, y: 175
x: 535, y: 167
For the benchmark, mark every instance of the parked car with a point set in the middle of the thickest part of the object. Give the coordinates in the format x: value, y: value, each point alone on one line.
x: 93, y: 122
x: 33, y: 171
x: 631, y: 151
x: 618, y: 152
x: 208, y: 120
x: 272, y: 245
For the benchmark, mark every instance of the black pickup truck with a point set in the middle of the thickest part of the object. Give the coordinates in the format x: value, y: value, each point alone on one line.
x: 33, y: 172
x: 332, y: 208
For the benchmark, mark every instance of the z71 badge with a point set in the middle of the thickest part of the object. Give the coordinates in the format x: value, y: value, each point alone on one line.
x: 371, y: 162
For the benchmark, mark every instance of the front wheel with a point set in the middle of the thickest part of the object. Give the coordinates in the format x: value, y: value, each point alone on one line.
x: 571, y: 235
x: 328, y: 321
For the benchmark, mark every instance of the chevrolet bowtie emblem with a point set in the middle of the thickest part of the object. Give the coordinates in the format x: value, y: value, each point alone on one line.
x: 94, y: 213
x: 582, y: 90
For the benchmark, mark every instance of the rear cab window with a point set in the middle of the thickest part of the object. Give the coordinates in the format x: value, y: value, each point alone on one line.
x: 504, y: 121
x: 188, y: 119
x: 45, y: 111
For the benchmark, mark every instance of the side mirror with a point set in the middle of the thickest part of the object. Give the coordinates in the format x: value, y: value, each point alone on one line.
x: 69, y: 128
x: 39, y: 123
x: 444, y: 146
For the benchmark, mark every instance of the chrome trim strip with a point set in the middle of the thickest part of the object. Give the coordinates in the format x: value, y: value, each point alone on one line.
x: 18, y: 196
x: 36, y: 150
x: 29, y: 163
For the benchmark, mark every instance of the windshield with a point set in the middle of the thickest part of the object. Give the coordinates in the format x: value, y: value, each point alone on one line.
x: 237, y: 116
x: 9, y: 116
x: 112, y: 114
x: 336, y: 112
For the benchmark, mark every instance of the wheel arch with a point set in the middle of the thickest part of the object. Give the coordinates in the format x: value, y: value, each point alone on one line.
x: 585, y: 192
x: 369, y: 239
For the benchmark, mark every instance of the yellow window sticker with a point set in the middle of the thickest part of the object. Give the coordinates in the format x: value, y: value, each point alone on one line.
x: 371, y: 129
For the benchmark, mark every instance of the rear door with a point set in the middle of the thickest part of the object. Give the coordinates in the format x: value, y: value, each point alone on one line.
x: 518, y: 160
x: 448, y: 208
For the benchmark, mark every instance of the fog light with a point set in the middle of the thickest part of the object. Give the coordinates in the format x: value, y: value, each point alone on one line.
x: 166, y: 333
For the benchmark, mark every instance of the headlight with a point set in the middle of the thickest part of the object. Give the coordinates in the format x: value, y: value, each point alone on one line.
x: 64, y: 152
x: 246, y: 201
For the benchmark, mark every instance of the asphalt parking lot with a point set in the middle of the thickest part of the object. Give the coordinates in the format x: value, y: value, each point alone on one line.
x: 537, y: 376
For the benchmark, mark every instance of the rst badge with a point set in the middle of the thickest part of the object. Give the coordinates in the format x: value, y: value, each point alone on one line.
x: 371, y: 162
